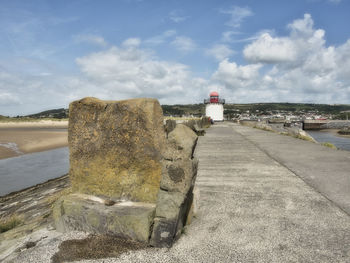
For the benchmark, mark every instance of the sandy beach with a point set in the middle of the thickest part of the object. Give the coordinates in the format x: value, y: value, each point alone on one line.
x: 17, y: 138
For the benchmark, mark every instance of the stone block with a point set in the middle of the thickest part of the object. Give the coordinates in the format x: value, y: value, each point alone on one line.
x: 169, y: 204
x: 184, y: 139
x: 164, y: 231
x: 170, y: 126
x: 179, y: 175
x: 127, y: 173
x: 131, y: 220
x: 116, y: 148
x: 171, y: 216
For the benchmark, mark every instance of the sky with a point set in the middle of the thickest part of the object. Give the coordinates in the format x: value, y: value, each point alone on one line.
x: 53, y: 52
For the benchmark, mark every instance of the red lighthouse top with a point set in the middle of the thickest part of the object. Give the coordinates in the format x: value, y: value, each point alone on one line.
x: 214, y: 97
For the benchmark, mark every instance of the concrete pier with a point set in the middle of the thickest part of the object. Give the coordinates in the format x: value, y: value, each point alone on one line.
x: 254, y: 208
x: 263, y: 197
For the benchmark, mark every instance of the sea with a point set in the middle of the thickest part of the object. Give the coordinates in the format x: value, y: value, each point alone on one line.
x: 23, y: 171
x: 329, y: 136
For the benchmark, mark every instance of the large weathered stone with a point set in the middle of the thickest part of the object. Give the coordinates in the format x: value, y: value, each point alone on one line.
x: 169, y: 203
x: 164, y: 232
x: 120, y: 154
x: 170, y: 126
x: 90, y: 214
x: 184, y: 138
x: 171, y: 216
x: 116, y: 148
x: 179, y: 175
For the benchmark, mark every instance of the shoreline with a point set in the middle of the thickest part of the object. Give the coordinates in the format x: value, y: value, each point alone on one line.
x: 335, y: 132
x: 18, y: 138
x: 35, y: 124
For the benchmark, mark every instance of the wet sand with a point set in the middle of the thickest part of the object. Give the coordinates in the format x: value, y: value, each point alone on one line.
x: 28, y: 137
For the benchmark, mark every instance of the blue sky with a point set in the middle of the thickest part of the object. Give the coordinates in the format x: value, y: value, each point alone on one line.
x: 53, y: 52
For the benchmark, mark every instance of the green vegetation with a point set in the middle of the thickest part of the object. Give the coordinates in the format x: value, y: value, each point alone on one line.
x: 330, y: 145
x: 302, y: 137
x: 55, y: 114
x: 344, y: 131
x: 9, y: 223
x: 259, y: 109
x: 268, y: 108
x: 231, y: 110
x: 263, y: 128
x: 180, y: 110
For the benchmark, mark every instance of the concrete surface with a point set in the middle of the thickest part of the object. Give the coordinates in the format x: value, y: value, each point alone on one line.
x: 252, y: 209
x: 20, y: 172
x: 327, y: 170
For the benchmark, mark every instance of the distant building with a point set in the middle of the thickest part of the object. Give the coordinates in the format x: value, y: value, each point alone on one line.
x: 214, y: 107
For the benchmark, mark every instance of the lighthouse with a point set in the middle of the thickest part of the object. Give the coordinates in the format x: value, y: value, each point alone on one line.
x: 214, y: 107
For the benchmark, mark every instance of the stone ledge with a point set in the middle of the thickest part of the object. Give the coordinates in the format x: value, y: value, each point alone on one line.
x: 87, y: 213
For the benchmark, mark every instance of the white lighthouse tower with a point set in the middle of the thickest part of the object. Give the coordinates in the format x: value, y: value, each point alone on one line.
x: 214, y: 107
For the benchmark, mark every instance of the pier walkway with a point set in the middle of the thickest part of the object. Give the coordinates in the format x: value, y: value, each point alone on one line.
x: 253, y: 208
x: 263, y: 197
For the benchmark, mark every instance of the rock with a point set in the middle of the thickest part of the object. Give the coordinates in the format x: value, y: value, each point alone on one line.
x: 116, y: 148
x: 179, y: 175
x: 171, y: 216
x: 30, y: 244
x: 129, y: 220
x: 184, y: 138
x: 175, y: 197
x: 164, y: 231
x: 169, y: 126
x: 199, y: 131
x: 169, y: 204
x: 126, y: 174
x: 344, y: 131
x: 205, y: 122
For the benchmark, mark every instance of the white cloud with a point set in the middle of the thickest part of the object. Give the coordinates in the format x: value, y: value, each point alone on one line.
x: 302, y: 27
x: 23, y: 93
x: 220, y: 52
x: 131, y: 42
x: 238, y: 14
x: 267, y: 49
x: 123, y: 73
x: 184, y: 44
x: 177, y: 16
x: 302, y: 41
x: 91, y: 39
x: 160, y: 39
x: 299, y: 67
x: 120, y: 72
x: 227, y: 36
x: 7, y: 99
x: 229, y: 73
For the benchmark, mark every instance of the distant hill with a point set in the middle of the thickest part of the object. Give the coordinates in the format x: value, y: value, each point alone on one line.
x: 55, y: 113
x: 293, y: 107
x: 185, y: 109
x: 230, y: 109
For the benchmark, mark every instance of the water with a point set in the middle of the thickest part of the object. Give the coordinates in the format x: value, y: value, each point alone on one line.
x: 324, y: 136
x: 30, y: 169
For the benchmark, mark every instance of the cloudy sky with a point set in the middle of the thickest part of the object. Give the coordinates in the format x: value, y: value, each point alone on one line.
x: 56, y: 51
